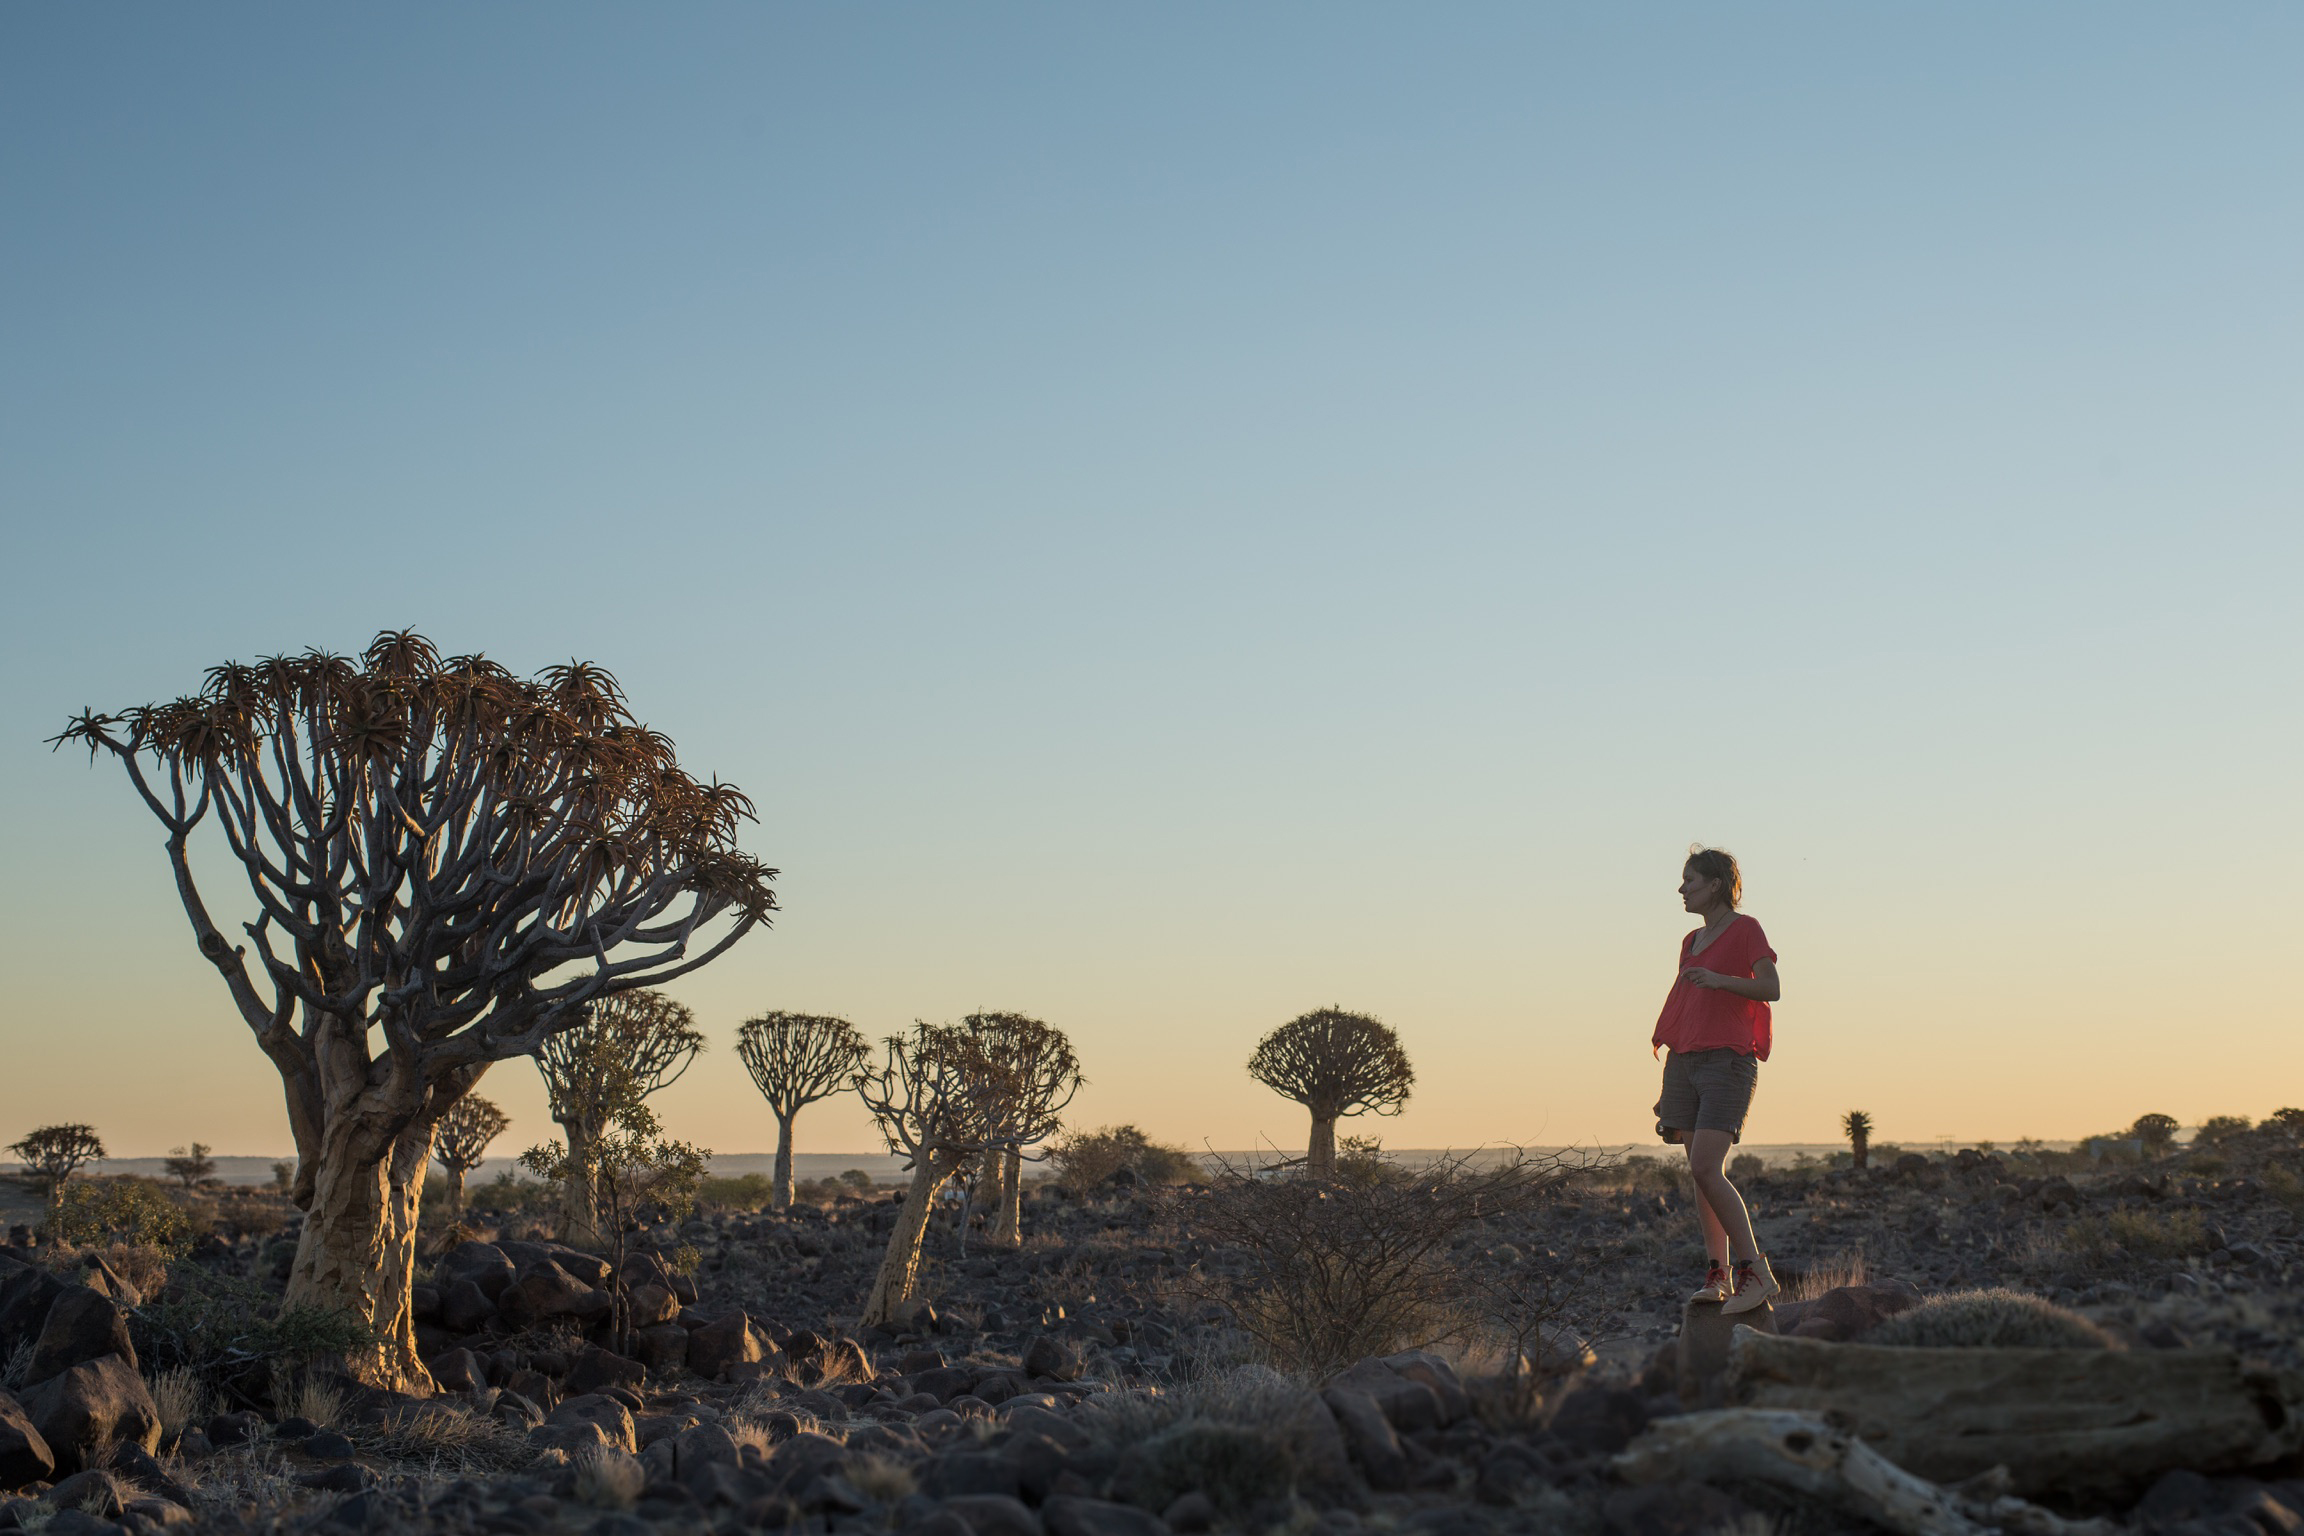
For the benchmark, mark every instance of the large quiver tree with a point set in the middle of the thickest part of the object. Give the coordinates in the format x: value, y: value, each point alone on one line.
x: 1334, y: 1064
x: 796, y: 1059
x: 448, y: 864
x: 1029, y: 1075
x: 461, y: 1143
x: 597, y: 1073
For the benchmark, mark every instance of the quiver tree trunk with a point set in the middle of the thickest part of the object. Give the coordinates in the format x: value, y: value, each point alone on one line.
x: 357, y: 1252
x: 579, y: 1191
x: 780, y: 1197
x: 1320, y: 1152
x: 1008, y: 1218
x: 455, y: 1193
x: 900, y: 1265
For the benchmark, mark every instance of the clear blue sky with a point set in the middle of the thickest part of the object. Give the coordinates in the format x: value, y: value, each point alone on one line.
x: 1183, y: 514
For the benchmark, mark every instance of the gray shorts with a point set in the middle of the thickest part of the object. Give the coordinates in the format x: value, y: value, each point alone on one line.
x: 1706, y: 1091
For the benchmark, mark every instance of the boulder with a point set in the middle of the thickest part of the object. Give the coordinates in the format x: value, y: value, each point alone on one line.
x: 595, y: 1369
x: 988, y: 1514
x: 1848, y: 1312
x: 1422, y: 1366
x: 1679, y: 1508
x: 1369, y: 1438
x: 24, y: 1453
x: 1411, y: 1406
x: 465, y: 1307
x: 651, y: 1305
x: 717, y: 1346
x: 593, y: 1419
x: 424, y: 1303
x: 26, y: 1294
x: 546, y: 1291
x: 1705, y: 1334
x: 97, y: 1492
x: 1600, y: 1420
x: 484, y: 1264
x: 663, y: 1348
x: 588, y: 1268
x: 944, y: 1383
x: 964, y: 1472
x: 459, y: 1370
x: 699, y: 1444
x: 1067, y: 1515
x: 1048, y: 1360
x: 84, y: 1412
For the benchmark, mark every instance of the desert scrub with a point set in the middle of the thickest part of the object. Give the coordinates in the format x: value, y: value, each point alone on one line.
x: 1241, y: 1437
x: 608, y: 1478
x: 182, y: 1399
x: 127, y: 1210
x: 2099, y: 1240
x: 217, y: 1326
x: 1335, y: 1269
x: 1994, y: 1319
x: 450, y: 1440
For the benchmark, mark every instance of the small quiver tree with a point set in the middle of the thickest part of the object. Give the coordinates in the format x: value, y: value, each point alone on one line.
x: 927, y: 1096
x: 1334, y: 1064
x: 597, y: 1074
x: 1858, y: 1126
x: 631, y: 1168
x: 2155, y: 1132
x: 51, y: 1155
x: 462, y: 1143
x: 190, y: 1166
x: 796, y: 1059
x: 1028, y: 1077
x: 446, y: 865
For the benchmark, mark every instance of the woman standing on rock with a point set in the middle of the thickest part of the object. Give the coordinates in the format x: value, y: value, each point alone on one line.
x: 1715, y: 1029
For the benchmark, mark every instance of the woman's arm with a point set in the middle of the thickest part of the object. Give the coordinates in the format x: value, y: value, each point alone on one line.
x: 1761, y: 986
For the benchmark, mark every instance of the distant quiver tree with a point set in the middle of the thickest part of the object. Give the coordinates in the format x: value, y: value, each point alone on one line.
x: 462, y: 1143
x: 1858, y: 1126
x: 446, y: 864
x: 596, y: 1074
x: 190, y: 1165
x: 1030, y: 1076
x: 796, y: 1059
x: 2156, y: 1132
x: 52, y: 1154
x: 1334, y: 1063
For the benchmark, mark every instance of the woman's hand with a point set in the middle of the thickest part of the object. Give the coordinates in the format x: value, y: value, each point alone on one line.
x: 1762, y: 986
x: 1697, y: 976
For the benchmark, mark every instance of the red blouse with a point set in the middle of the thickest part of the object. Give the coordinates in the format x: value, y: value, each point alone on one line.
x: 1707, y: 1019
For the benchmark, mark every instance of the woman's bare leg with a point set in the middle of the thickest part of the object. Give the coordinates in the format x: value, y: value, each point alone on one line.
x: 1727, y: 1224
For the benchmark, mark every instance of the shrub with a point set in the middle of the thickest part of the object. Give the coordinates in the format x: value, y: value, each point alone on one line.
x: 1745, y: 1166
x: 216, y: 1325
x: 124, y: 1210
x: 2136, y: 1234
x: 514, y: 1195
x: 1239, y: 1437
x: 746, y: 1192
x: 1337, y: 1270
x: 609, y: 1478
x: 1086, y: 1159
x: 1995, y: 1319
x: 182, y: 1399
x: 2218, y: 1129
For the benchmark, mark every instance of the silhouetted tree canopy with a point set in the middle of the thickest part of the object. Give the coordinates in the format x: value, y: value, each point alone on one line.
x: 1334, y: 1063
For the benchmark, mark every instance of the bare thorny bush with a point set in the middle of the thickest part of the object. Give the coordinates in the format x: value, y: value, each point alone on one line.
x: 1321, y: 1272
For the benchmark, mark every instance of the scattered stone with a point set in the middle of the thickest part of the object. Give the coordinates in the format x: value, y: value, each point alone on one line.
x: 84, y: 1412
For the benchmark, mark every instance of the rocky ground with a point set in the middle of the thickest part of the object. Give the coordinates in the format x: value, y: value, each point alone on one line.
x: 1093, y: 1383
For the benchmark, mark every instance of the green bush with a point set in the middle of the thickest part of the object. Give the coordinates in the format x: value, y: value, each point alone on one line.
x: 126, y: 1210
x: 511, y: 1193
x: 1995, y: 1319
x: 746, y: 1192
x: 1085, y: 1159
x: 214, y: 1325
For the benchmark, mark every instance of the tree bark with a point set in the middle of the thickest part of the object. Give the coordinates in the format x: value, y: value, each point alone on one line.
x: 1320, y: 1154
x: 900, y: 1266
x: 579, y: 1198
x: 357, y: 1252
x: 455, y: 1194
x: 1008, y: 1224
x: 780, y: 1198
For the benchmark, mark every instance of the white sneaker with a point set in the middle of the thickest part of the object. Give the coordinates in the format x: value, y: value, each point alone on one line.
x: 1754, y: 1287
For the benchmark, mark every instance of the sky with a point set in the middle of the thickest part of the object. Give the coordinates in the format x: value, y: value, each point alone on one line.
x: 1184, y: 514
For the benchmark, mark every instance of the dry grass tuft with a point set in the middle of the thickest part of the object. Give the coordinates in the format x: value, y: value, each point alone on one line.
x: 1239, y: 1436
x: 881, y: 1479
x: 182, y: 1399
x: 447, y: 1439
x: 309, y: 1397
x: 1830, y: 1274
x: 608, y: 1478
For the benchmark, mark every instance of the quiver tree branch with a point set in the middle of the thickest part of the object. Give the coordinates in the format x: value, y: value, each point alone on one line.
x: 445, y: 865
x: 1334, y: 1063
x: 1027, y: 1079
x: 796, y: 1059
x: 462, y: 1142
x: 598, y: 1073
